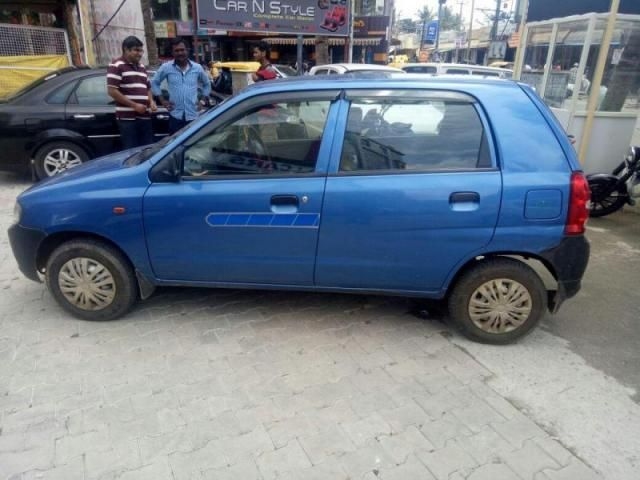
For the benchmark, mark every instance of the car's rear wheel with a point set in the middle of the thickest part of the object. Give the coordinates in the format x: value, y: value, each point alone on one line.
x: 498, y: 301
x: 56, y: 157
x: 91, y: 280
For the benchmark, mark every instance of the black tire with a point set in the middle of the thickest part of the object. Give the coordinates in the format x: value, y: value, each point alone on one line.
x: 73, y: 261
x: 521, y: 302
x: 603, y: 200
x: 56, y: 157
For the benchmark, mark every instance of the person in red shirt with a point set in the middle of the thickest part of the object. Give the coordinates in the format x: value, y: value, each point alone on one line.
x: 261, y: 55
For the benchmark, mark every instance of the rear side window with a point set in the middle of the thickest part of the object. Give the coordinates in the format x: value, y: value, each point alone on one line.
x: 413, y: 135
x: 420, y: 69
x: 485, y: 74
x: 60, y: 96
x: 92, y: 91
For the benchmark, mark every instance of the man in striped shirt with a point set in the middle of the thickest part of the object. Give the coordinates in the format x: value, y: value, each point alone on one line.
x: 128, y: 84
x: 183, y: 78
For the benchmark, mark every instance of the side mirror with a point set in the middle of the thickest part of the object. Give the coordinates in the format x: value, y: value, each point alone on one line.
x: 169, y: 169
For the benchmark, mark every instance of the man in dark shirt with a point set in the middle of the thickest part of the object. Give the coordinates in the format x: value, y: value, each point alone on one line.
x: 261, y: 55
x: 128, y: 84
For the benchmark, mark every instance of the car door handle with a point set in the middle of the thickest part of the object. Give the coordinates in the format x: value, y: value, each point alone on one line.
x: 464, y: 197
x: 284, y: 203
x: 162, y: 117
x: 84, y: 116
x: 464, y: 201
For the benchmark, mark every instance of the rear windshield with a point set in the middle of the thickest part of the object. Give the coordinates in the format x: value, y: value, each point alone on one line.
x: 39, y: 81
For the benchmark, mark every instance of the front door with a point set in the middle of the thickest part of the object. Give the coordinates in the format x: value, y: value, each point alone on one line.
x: 247, y: 209
x: 415, y: 192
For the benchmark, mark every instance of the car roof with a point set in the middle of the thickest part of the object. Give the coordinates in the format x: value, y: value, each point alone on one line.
x: 457, y: 65
x: 378, y: 82
x: 354, y: 67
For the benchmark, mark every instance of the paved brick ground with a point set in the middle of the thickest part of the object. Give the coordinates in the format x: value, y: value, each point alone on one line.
x: 204, y: 384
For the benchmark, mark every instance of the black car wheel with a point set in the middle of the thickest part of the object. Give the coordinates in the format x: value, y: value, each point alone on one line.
x: 91, y: 280
x: 498, y: 301
x: 56, y: 157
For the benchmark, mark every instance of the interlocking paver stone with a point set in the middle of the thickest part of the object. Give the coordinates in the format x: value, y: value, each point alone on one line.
x: 230, y: 384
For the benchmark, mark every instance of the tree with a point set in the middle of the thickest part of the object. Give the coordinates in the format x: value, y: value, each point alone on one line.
x: 149, y: 32
x: 450, y: 20
x: 425, y: 15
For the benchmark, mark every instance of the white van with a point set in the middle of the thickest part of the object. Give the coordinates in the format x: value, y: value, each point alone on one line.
x: 456, y: 69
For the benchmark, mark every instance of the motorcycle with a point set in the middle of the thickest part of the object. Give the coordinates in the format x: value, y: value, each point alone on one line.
x: 610, y: 192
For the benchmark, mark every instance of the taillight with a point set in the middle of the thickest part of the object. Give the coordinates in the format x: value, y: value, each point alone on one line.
x: 578, y: 205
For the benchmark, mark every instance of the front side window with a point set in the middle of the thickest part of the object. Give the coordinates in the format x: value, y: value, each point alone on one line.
x: 271, y: 139
x: 413, y: 135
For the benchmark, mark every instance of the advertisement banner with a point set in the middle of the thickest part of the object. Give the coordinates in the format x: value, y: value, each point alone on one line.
x: 431, y: 32
x: 184, y: 28
x: 304, y: 17
x: 370, y: 26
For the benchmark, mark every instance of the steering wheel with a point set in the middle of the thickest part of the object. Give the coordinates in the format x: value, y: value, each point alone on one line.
x: 256, y: 146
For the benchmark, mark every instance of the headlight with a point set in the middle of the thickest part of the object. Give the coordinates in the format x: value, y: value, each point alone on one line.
x: 17, y: 213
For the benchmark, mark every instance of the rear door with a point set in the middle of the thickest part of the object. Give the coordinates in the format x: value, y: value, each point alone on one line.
x: 91, y: 113
x: 413, y: 191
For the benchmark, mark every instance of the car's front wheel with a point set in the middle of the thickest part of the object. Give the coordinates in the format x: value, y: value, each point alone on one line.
x: 498, y: 301
x: 91, y: 280
x: 56, y: 157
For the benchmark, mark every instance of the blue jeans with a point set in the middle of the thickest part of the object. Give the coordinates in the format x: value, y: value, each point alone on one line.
x: 135, y: 133
x: 176, y: 124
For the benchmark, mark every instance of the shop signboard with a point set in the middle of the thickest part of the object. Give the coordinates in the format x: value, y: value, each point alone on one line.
x: 300, y: 17
x: 165, y: 29
x: 370, y: 26
x: 431, y: 32
x: 184, y: 28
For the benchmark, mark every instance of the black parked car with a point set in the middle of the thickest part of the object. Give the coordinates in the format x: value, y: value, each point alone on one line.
x: 60, y: 121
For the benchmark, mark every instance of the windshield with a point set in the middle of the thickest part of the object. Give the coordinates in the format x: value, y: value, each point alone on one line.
x: 286, y: 70
x: 142, y: 155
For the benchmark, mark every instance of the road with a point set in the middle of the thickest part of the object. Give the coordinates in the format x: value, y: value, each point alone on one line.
x: 204, y: 384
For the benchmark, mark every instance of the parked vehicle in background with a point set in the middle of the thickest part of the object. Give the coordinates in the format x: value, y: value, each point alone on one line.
x: 611, y: 192
x: 353, y: 68
x: 400, y: 186
x: 60, y: 121
x: 456, y: 69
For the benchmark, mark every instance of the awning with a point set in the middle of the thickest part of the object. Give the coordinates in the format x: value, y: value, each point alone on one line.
x: 332, y: 41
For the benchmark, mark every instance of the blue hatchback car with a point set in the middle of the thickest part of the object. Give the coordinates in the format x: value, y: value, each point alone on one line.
x: 465, y: 189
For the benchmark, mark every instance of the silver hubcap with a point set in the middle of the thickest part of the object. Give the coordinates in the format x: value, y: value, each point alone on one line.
x: 59, y: 160
x: 500, y: 306
x: 87, y: 284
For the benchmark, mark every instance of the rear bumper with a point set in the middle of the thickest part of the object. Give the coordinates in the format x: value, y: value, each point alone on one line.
x: 25, y: 243
x: 569, y: 261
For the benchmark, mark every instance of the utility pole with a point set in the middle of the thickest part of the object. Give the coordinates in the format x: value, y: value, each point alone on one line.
x: 458, y: 34
x: 494, y: 29
x: 440, y: 4
x: 473, y: 7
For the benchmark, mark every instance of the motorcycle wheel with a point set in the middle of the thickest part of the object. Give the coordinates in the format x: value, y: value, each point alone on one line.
x: 605, y: 201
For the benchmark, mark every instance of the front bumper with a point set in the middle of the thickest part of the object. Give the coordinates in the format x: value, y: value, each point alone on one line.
x: 569, y: 261
x: 25, y: 243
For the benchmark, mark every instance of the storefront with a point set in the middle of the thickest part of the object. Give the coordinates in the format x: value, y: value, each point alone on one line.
x: 586, y: 69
